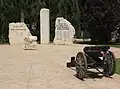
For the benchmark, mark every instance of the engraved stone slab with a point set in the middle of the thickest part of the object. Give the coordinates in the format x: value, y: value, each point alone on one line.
x: 64, y: 31
x: 17, y: 33
x: 20, y: 34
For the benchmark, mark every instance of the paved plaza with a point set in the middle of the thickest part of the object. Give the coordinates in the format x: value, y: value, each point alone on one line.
x: 45, y: 68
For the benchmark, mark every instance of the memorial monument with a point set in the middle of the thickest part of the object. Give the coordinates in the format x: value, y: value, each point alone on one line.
x: 19, y: 34
x: 44, y: 26
x: 64, y: 31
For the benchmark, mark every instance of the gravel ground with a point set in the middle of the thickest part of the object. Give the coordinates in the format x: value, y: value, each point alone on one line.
x: 45, y: 68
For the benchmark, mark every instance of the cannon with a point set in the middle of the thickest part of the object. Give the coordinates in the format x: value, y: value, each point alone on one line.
x: 94, y: 57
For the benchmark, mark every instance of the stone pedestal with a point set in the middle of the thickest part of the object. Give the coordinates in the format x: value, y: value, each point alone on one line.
x: 44, y: 26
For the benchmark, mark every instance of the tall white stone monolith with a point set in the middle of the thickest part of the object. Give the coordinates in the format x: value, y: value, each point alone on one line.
x: 44, y: 26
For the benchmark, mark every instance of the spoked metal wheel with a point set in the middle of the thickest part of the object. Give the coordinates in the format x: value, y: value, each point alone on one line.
x: 81, y: 65
x: 110, y: 64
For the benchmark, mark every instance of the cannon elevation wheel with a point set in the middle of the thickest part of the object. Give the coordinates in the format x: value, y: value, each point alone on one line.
x: 81, y: 65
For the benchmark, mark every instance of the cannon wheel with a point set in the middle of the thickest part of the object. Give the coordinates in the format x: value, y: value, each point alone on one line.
x: 81, y: 65
x: 110, y: 64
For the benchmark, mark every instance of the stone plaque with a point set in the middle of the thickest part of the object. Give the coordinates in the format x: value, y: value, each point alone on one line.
x: 64, y: 31
x: 17, y: 33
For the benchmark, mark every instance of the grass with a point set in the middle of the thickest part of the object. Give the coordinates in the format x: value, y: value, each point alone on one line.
x: 112, y: 45
x: 116, y: 46
x: 117, y: 66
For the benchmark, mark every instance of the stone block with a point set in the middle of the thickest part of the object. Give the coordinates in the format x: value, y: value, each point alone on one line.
x: 64, y: 32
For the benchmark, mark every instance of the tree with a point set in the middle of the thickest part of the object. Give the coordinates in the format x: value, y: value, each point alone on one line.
x: 101, y: 17
x: 98, y: 17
